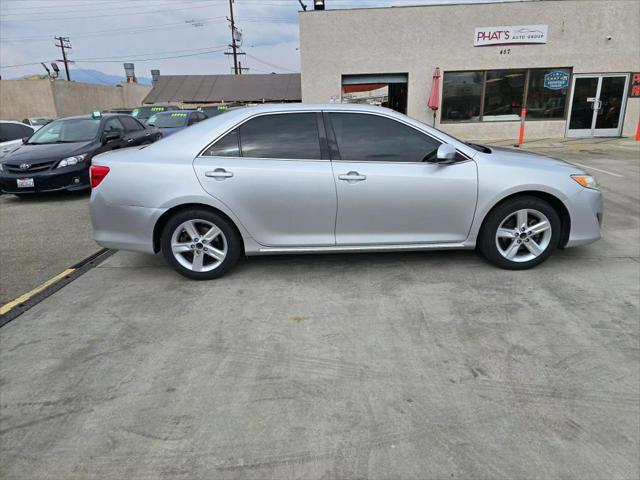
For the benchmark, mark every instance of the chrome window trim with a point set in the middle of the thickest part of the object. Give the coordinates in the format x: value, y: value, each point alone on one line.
x: 361, y: 112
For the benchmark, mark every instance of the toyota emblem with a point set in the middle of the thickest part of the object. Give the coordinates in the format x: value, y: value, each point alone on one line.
x: 25, y: 166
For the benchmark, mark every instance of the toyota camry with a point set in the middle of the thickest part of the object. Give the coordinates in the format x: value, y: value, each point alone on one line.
x: 299, y: 178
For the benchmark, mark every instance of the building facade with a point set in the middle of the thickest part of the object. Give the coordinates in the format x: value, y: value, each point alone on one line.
x: 571, y: 63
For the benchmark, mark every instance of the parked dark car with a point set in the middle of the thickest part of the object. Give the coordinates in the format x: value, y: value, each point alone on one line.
x: 143, y: 113
x: 58, y: 155
x: 171, y: 122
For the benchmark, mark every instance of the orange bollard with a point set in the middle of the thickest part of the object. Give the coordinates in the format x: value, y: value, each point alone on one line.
x: 638, y: 132
x: 523, y: 114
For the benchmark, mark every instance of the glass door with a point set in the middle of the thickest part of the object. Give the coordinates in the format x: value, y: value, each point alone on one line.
x: 597, y: 105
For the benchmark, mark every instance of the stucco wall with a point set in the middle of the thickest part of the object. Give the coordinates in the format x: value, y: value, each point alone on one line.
x: 415, y: 40
x: 32, y: 98
x: 26, y: 98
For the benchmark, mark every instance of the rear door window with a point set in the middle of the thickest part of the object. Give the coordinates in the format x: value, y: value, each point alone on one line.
x: 286, y: 136
x: 13, y: 131
x: 227, y: 146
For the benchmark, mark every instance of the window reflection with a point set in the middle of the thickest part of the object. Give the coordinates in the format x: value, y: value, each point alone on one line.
x: 503, y: 96
x: 461, y: 95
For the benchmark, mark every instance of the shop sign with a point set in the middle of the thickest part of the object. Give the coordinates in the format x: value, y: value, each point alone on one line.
x: 521, y: 34
x: 635, y: 85
x: 556, y: 80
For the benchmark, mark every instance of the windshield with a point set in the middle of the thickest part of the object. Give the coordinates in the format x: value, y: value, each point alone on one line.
x: 67, y: 131
x: 169, y: 120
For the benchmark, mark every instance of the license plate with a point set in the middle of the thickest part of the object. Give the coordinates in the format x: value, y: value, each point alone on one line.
x: 25, y: 182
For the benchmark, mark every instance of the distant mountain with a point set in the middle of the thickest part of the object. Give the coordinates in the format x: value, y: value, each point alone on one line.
x: 96, y: 76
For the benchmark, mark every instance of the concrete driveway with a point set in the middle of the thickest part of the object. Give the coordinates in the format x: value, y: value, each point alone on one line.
x: 414, y: 365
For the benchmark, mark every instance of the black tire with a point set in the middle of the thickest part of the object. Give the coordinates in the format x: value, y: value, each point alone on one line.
x: 487, y: 238
x: 231, y: 237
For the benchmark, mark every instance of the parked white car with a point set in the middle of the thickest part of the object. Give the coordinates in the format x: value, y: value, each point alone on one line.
x: 37, y: 122
x: 11, y: 135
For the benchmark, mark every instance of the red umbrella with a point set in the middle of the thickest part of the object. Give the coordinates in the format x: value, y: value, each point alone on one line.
x: 434, y: 96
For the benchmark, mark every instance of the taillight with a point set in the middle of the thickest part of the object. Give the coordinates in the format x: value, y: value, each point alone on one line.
x: 97, y: 174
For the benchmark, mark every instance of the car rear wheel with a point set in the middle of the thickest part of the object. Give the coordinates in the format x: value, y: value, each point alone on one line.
x: 520, y: 233
x: 200, y: 244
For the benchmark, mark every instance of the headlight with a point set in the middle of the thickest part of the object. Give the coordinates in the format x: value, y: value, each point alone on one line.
x: 70, y: 161
x: 587, y: 181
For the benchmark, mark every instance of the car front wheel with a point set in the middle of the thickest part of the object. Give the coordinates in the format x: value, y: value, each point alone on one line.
x: 200, y: 244
x: 520, y: 233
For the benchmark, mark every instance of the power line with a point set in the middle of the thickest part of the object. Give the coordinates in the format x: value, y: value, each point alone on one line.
x: 270, y: 64
x: 112, y: 59
x: 151, y: 59
x: 129, y: 31
x: 40, y: 19
x: 77, y: 10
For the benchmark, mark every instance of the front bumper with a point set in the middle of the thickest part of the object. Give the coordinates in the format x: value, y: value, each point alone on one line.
x: 72, y: 178
x: 587, y: 212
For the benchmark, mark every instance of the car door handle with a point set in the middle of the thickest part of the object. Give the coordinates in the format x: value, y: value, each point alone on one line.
x: 148, y: 134
x: 218, y: 174
x: 352, y: 177
x: 129, y: 140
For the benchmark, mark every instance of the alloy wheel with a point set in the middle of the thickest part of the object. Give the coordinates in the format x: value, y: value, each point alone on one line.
x: 199, y: 245
x: 523, y: 235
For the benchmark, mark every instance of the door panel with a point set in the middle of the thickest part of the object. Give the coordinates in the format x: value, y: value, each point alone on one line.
x: 611, y: 100
x: 404, y: 202
x: 585, y: 88
x: 280, y: 202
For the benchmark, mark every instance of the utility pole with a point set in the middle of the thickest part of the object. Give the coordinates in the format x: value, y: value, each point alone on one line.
x: 64, y: 45
x: 234, y: 46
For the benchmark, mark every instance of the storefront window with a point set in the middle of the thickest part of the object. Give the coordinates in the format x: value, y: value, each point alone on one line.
x: 503, y: 95
x: 461, y: 95
x: 547, y: 95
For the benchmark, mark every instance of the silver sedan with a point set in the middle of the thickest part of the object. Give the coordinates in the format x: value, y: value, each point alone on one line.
x: 302, y: 178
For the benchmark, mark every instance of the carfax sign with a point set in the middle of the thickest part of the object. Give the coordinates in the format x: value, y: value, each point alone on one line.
x: 521, y: 34
x: 556, y: 80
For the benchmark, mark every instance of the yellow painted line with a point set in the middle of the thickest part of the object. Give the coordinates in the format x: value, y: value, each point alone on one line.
x: 23, y: 298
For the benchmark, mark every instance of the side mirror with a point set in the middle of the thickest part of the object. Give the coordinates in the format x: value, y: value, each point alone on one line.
x: 25, y: 140
x: 110, y: 136
x: 446, y: 153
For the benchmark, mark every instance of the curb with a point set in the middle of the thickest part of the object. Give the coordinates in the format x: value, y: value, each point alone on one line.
x: 13, y: 309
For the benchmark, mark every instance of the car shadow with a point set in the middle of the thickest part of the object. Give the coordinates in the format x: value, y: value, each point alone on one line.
x: 46, y: 196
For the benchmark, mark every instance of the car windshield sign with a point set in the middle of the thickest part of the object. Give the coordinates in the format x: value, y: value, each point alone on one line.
x: 143, y: 113
x: 67, y: 131
x: 171, y: 120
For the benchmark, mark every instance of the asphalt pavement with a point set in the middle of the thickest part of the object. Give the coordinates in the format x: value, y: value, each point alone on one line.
x: 40, y: 237
x: 425, y: 365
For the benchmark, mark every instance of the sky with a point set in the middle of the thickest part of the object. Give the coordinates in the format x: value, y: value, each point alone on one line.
x: 175, y: 36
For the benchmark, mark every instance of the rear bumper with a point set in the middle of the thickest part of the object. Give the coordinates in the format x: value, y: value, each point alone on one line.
x: 587, y: 212
x: 122, y: 227
x: 49, y: 181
